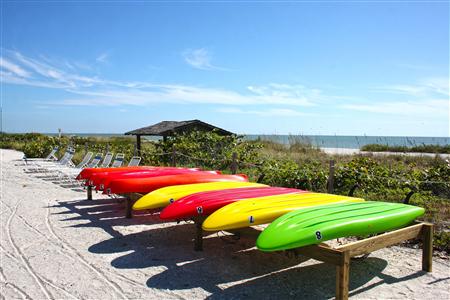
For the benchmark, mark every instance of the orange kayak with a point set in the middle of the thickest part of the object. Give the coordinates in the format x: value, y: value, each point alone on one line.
x: 85, y: 174
x: 97, y: 179
x: 146, y: 185
x: 106, y: 182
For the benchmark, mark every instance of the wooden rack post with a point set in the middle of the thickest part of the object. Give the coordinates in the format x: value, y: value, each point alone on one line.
x: 129, y: 201
x: 89, y: 192
x: 198, y: 241
x: 341, y: 256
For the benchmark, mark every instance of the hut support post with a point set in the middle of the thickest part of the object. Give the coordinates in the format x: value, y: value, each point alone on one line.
x: 138, y: 144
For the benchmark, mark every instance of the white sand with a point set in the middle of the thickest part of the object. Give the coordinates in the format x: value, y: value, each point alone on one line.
x: 55, y: 244
x: 351, y: 151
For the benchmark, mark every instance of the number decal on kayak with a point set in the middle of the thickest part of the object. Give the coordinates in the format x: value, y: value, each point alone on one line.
x: 251, y: 219
x: 200, y: 210
x: 318, y: 235
x: 171, y: 200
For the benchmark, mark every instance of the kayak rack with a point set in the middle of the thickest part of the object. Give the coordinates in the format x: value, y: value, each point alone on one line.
x: 340, y: 256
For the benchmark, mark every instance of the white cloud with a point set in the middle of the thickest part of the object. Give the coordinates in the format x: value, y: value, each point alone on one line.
x: 98, y: 91
x: 428, y: 98
x: 141, y: 94
x: 283, y: 112
x: 199, y: 59
x: 15, y: 69
x: 432, y: 107
x: 102, y: 58
x: 425, y: 87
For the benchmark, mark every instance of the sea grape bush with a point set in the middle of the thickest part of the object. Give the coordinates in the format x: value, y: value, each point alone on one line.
x: 207, y: 149
x: 287, y: 173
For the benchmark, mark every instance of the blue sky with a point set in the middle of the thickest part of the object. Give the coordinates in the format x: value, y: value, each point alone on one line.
x: 346, y: 68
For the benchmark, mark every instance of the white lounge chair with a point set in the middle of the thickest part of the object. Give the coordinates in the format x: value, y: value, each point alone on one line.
x: 118, y: 161
x: 107, y: 160
x: 134, y: 161
x: 46, y: 166
x: 50, y: 157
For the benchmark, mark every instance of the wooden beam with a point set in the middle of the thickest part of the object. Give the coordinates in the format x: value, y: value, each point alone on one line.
x: 248, y: 232
x: 381, y: 241
x: 322, y: 253
x: 135, y: 196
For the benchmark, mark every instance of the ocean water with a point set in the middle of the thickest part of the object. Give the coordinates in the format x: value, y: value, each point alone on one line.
x: 323, y: 141
x: 353, y: 142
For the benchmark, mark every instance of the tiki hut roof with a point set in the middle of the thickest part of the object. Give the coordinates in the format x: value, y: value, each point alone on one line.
x: 168, y: 128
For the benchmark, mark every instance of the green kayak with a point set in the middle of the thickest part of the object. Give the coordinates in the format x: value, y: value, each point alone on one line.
x: 317, y: 224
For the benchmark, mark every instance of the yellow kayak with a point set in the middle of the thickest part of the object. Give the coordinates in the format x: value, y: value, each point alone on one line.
x: 164, y: 196
x: 264, y: 210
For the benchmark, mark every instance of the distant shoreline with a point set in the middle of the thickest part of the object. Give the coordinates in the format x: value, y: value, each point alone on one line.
x: 351, y: 151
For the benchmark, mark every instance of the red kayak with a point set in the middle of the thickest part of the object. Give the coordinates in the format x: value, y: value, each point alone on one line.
x: 97, y: 179
x: 146, y: 185
x: 86, y: 173
x: 205, y: 203
x: 106, y: 182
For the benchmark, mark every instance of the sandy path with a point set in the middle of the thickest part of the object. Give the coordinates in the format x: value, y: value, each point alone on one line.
x: 55, y: 244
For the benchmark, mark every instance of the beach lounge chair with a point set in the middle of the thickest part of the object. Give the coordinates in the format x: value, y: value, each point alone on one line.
x: 60, y: 172
x: 67, y: 174
x: 94, y: 163
x: 50, y: 157
x: 134, y: 161
x: 118, y: 161
x: 46, y: 166
x: 84, y: 164
x: 85, y: 160
x: 107, y: 160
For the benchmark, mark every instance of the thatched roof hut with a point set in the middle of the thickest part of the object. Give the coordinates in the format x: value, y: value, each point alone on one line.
x: 170, y: 128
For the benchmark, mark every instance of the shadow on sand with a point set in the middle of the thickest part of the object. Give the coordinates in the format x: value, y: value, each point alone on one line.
x: 227, y: 268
